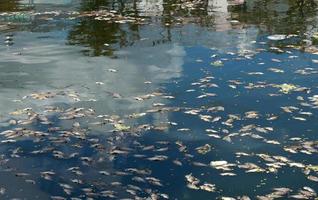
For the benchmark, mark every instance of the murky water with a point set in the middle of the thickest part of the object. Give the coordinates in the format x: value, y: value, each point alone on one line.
x: 160, y: 99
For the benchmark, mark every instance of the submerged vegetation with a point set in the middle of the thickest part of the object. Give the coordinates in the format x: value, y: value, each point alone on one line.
x: 158, y: 100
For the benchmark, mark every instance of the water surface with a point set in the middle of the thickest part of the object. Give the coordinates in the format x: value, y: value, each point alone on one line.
x: 158, y: 99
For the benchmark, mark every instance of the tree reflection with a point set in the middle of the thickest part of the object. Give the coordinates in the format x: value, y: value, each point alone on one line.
x: 285, y: 17
x: 9, y: 5
x: 103, y: 38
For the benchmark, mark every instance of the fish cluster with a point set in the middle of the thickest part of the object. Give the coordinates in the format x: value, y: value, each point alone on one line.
x: 62, y: 132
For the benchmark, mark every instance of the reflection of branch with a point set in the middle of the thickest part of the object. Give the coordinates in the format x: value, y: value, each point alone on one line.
x: 301, y: 5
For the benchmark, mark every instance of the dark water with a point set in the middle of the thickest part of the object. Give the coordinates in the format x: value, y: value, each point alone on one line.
x: 139, y: 99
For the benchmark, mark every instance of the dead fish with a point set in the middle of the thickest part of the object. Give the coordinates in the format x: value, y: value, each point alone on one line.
x: 264, y: 198
x: 139, y: 171
x: 193, y: 112
x: 105, y: 173
x: 199, y: 164
x: 242, y: 154
x: 118, y: 152
x: 244, y: 198
x: 119, y: 173
x: 218, y: 163
x: 299, y: 118
x: 192, y: 181
x: 86, y: 159
x: 154, y: 181
x: 309, y: 189
x: 30, y: 181
x: 99, y: 83
x: 138, y: 179
x: 132, y: 192
x: 177, y: 162
x: 77, y: 181
x: 183, y: 129
x: 57, y: 198
x: 147, y: 148
x: 162, y: 149
x: 139, y: 156
x: 165, y: 196
x: 22, y: 174
x: 2, y: 191
x: 204, y: 149
x: 313, y: 178
x: 299, y: 165
x: 228, y: 174
x: 282, y: 191
x: 228, y: 198
x: 208, y: 187
x: 108, y: 193
x: 298, y: 196
x: 252, y: 115
x: 182, y: 147
x: 47, y: 175
x: 276, y: 70
x: 272, y: 142
x: 158, y: 158
x: 8, y: 141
